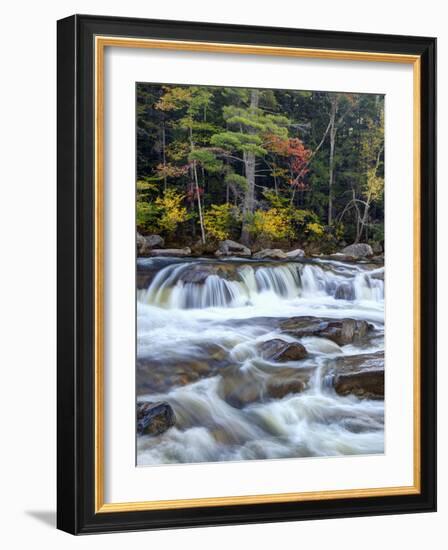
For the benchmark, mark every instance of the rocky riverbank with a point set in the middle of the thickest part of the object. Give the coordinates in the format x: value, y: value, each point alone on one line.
x: 154, y: 245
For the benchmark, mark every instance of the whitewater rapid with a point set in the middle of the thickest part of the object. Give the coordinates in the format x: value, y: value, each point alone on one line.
x: 199, y: 326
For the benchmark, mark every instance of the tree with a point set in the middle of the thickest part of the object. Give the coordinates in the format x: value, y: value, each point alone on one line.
x: 193, y: 101
x: 248, y: 132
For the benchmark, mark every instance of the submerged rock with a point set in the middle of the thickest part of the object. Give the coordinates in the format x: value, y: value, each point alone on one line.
x: 232, y: 248
x: 242, y: 387
x: 378, y: 274
x: 157, y: 375
x: 271, y: 253
x: 345, y: 291
x: 340, y: 331
x: 170, y: 251
x: 360, y: 375
x: 154, y: 418
x: 281, y: 351
x: 360, y: 250
x: 199, y: 273
x: 295, y: 254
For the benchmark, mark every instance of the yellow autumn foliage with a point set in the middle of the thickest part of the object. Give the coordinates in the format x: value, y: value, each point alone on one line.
x: 172, y: 213
x: 272, y: 223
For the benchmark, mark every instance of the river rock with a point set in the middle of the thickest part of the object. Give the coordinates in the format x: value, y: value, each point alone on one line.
x: 147, y: 242
x: 271, y: 254
x: 377, y: 274
x: 340, y: 331
x: 170, y: 251
x: 154, y: 418
x: 232, y: 248
x: 360, y: 375
x: 159, y: 375
x: 295, y: 254
x: 154, y: 241
x: 358, y: 251
x: 344, y: 291
x: 242, y: 387
x: 199, y: 273
x: 281, y: 351
x: 142, y: 247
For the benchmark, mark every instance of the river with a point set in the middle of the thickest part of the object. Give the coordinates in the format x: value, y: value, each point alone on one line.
x: 201, y: 324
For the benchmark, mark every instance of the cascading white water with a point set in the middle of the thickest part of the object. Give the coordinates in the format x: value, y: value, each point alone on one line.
x: 248, y: 282
x: 201, y: 322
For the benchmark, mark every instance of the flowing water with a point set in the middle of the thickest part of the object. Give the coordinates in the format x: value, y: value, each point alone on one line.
x: 200, y: 323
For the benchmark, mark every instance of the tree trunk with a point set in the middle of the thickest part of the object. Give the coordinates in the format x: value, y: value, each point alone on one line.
x: 249, y: 164
x: 201, y: 220
x: 195, y: 175
x: 164, y: 155
x: 333, y: 130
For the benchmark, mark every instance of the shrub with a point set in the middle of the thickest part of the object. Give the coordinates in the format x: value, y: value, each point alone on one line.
x: 220, y: 221
x: 273, y: 224
x: 170, y: 211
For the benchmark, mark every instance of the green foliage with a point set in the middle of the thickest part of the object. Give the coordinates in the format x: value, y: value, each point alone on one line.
x: 147, y: 214
x: 235, y: 179
x: 207, y: 159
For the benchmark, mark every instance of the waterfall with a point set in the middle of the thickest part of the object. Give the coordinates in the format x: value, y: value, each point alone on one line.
x: 189, y: 285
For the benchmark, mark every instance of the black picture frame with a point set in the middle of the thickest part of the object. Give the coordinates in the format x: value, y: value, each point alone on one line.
x: 76, y: 272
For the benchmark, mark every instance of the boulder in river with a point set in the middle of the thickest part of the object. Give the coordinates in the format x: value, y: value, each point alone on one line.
x: 358, y: 251
x: 295, y: 254
x: 242, y: 387
x: 340, y: 331
x: 271, y: 254
x: 232, y: 248
x: 154, y: 418
x: 361, y: 375
x: 170, y: 252
x: 281, y: 351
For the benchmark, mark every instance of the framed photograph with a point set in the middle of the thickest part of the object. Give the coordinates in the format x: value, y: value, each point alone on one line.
x: 246, y: 267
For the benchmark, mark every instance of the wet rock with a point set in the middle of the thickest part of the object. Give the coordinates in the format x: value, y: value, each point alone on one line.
x: 344, y: 291
x: 170, y: 251
x: 154, y: 418
x: 295, y: 254
x: 271, y: 254
x: 232, y: 248
x: 378, y: 274
x: 360, y: 250
x: 281, y: 351
x: 360, y: 375
x: 199, y: 273
x: 242, y: 387
x: 155, y: 375
x: 340, y: 331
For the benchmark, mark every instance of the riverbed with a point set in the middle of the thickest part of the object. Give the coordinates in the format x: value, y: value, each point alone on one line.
x: 201, y: 328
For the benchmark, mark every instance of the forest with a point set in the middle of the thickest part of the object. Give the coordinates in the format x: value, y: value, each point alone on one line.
x: 261, y: 166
